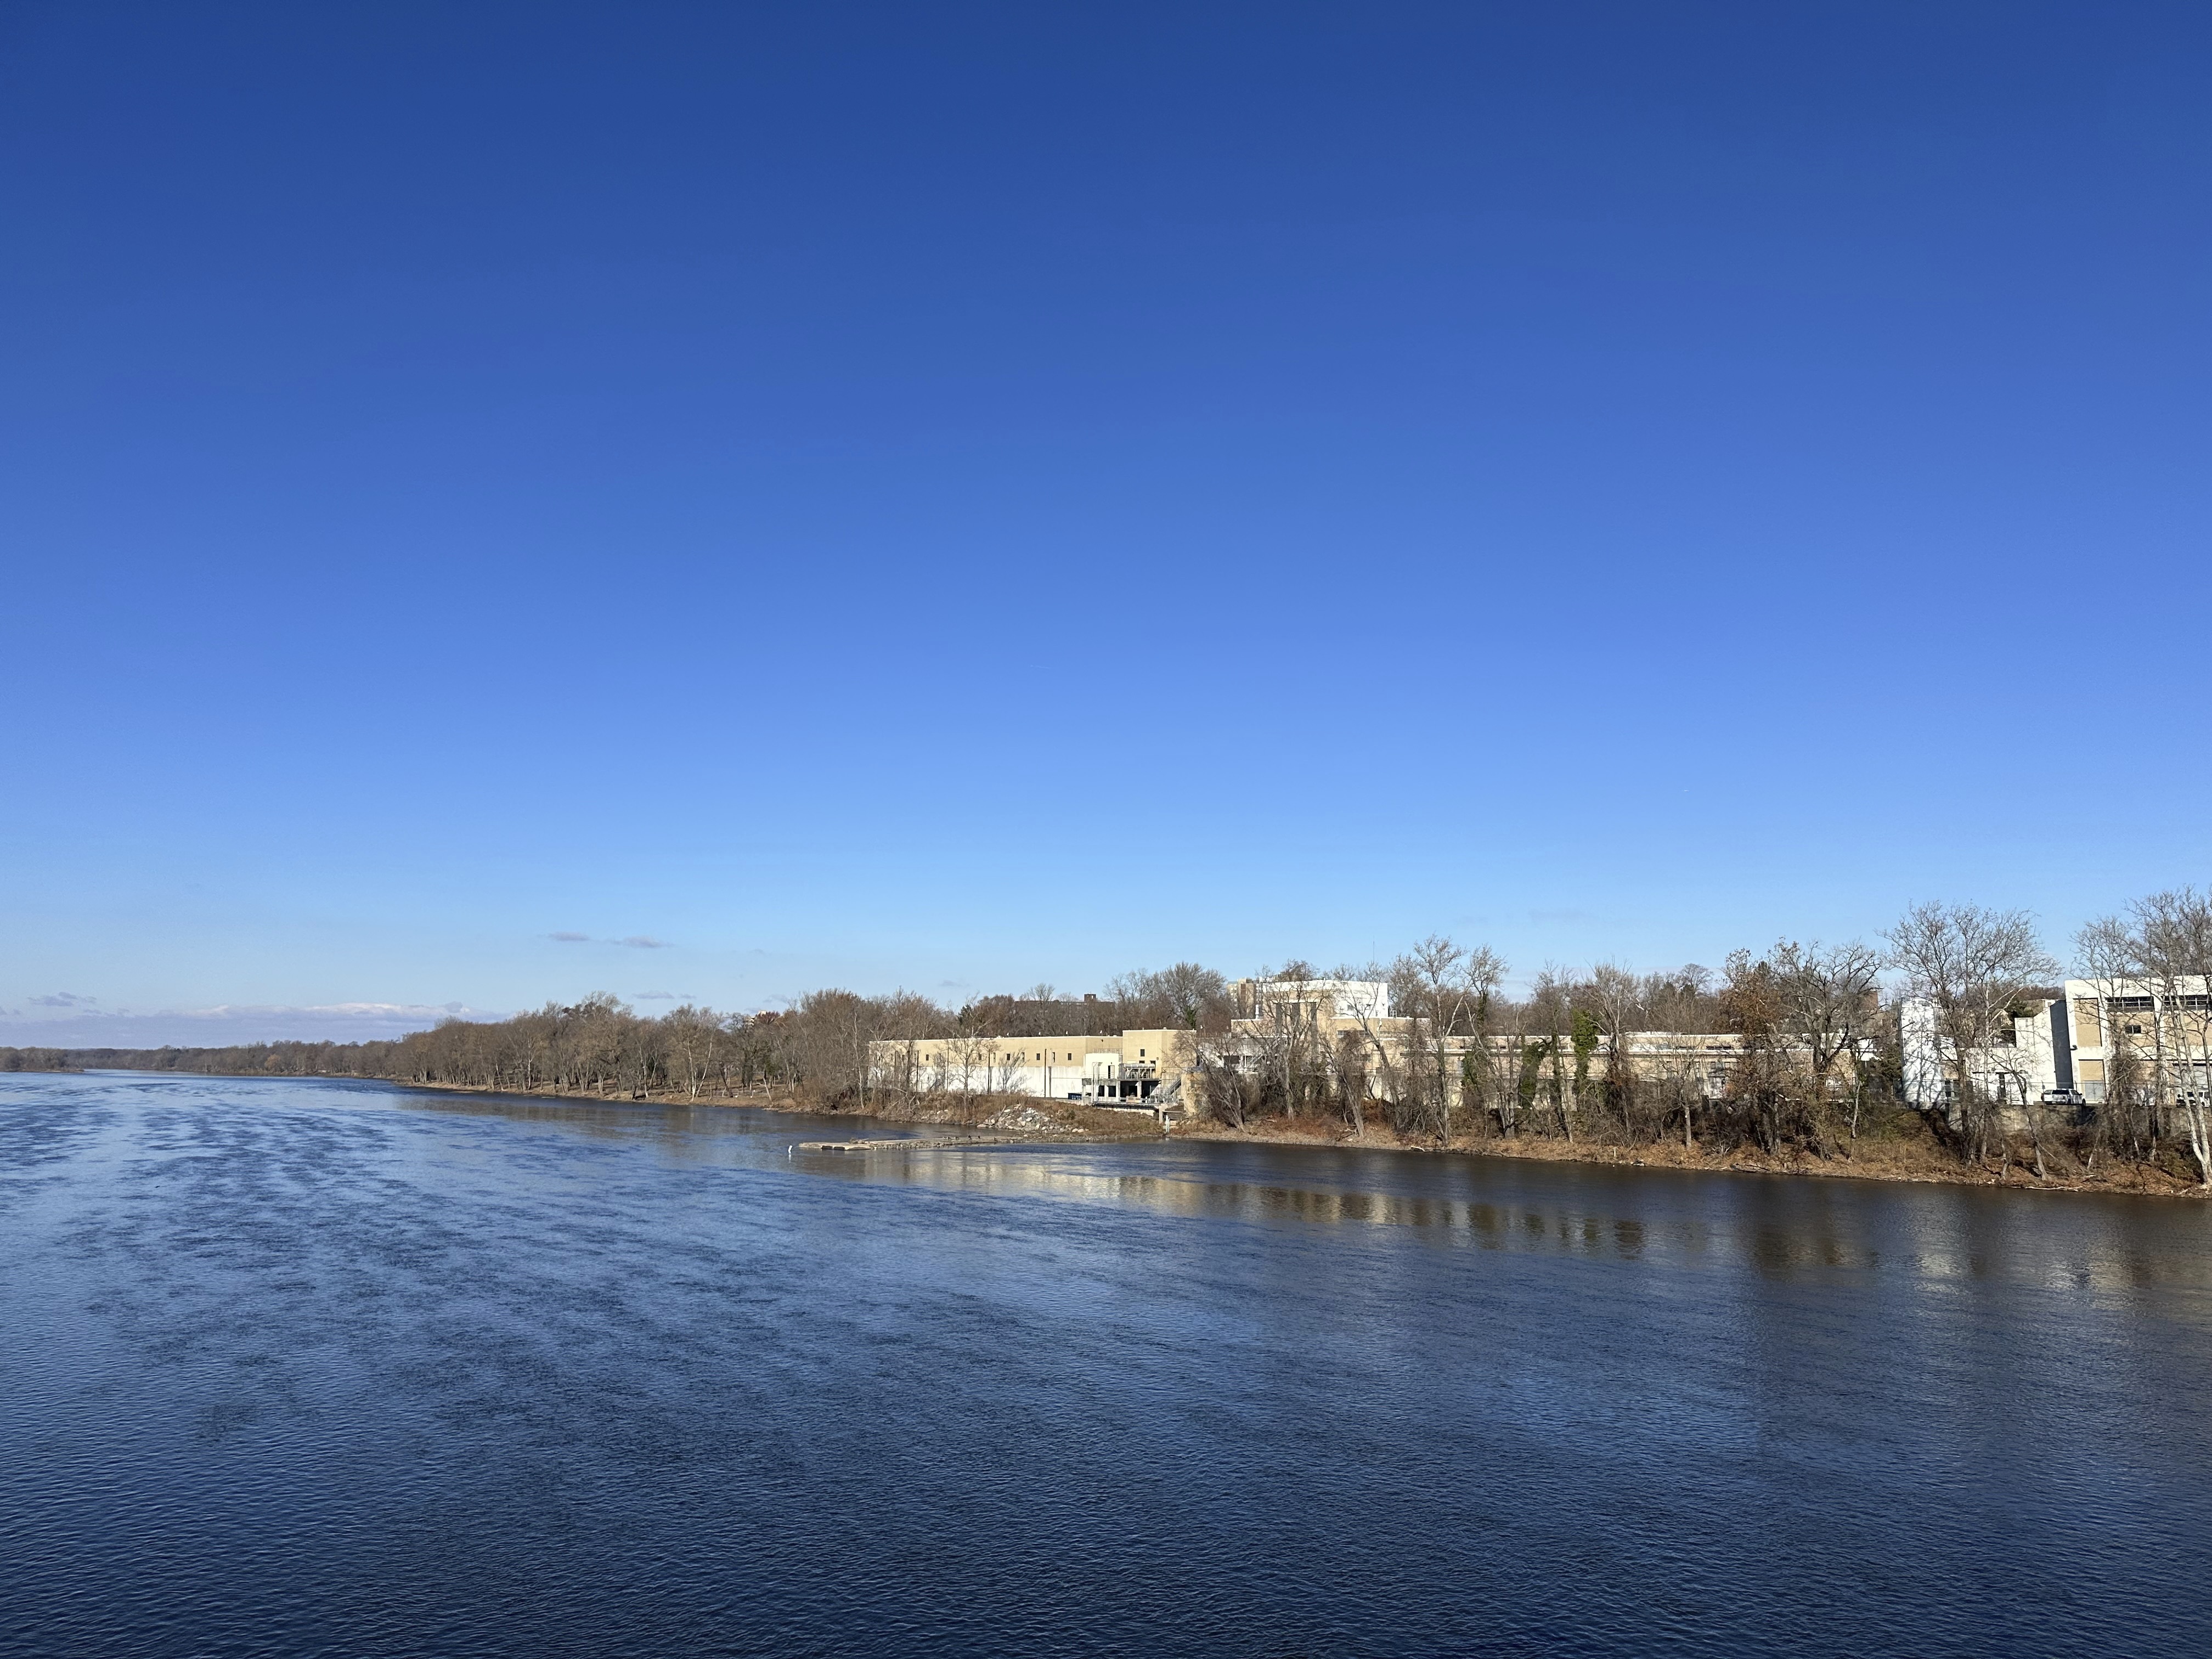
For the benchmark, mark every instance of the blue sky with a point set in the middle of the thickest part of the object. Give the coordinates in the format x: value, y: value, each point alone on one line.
x: 960, y: 497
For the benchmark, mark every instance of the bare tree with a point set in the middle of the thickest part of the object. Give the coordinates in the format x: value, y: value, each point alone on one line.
x: 2175, y: 929
x: 1425, y: 992
x: 2159, y: 954
x: 1616, y: 999
x: 1969, y: 965
x: 1829, y: 998
x: 1549, y: 1015
x: 1752, y: 1002
x: 1368, y: 1055
x: 1185, y: 997
x: 1681, y: 1000
x: 693, y: 1036
x: 1348, y: 1068
x: 1286, y: 1032
x: 829, y: 1034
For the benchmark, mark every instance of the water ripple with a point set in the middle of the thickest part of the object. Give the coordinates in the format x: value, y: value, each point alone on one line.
x: 328, y: 1368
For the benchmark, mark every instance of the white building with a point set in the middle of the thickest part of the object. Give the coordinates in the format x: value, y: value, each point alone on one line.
x: 1313, y: 1001
x: 2031, y: 1060
x: 2065, y: 1049
x: 1096, y: 1069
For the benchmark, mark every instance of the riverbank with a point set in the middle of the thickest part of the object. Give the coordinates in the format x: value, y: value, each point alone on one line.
x: 1903, y: 1149
x: 1917, y: 1158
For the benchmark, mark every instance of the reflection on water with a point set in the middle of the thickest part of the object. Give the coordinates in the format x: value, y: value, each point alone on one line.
x: 339, y: 1367
x: 1779, y: 1224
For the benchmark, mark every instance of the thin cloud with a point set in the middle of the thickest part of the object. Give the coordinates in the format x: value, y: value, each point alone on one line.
x: 571, y: 939
x: 64, y: 1000
x: 652, y: 996
x: 643, y: 942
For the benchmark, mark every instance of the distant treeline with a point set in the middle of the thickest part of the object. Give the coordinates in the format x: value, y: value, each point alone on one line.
x: 366, y: 1059
x: 39, y: 1059
x: 601, y: 1046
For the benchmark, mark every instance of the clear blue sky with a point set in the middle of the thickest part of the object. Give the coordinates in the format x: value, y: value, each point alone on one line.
x: 965, y: 496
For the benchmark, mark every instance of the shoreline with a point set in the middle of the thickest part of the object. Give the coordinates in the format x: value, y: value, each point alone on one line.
x: 1913, y: 1157
x: 2137, y: 1182
x: 1918, y: 1160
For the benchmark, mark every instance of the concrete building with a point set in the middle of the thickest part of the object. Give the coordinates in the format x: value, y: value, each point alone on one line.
x: 1125, y: 1070
x: 2160, y: 1034
x: 2031, y: 1060
x: 1330, y: 1003
x: 2067, y: 1049
x: 1136, y: 1068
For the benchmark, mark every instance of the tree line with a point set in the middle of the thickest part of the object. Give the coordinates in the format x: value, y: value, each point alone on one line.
x: 1812, y: 1062
x: 600, y: 1046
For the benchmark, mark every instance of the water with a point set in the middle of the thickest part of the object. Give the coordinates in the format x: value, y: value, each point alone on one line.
x: 300, y: 1368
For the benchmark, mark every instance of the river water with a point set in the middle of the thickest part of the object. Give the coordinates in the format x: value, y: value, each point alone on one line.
x: 329, y: 1368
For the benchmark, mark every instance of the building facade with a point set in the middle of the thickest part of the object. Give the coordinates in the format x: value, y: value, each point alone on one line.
x: 2068, y: 1050
x: 2144, y: 1034
x: 1096, y: 1070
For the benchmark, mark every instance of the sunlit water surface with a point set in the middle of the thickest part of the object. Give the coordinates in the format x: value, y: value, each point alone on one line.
x: 305, y: 1367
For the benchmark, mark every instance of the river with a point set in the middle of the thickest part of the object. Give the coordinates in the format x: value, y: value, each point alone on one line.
x: 304, y: 1367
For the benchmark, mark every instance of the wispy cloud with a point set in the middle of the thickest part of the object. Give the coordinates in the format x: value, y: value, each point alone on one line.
x: 643, y: 942
x: 652, y: 996
x: 571, y: 939
x: 64, y: 1000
